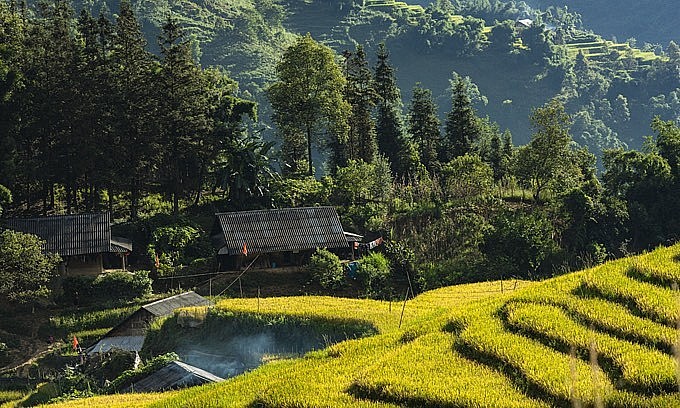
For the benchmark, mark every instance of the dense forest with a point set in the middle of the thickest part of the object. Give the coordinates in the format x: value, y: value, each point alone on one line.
x: 93, y: 120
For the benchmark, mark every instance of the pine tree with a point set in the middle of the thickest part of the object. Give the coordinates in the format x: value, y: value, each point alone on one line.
x: 361, y: 95
x: 424, y: 127
x: 184, y: 122
x: 392, y: 139
x: 462, y: 127
x: 135, y: 104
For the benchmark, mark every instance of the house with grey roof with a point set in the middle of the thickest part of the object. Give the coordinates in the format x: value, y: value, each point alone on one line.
x: 276, y: 237
x: 82, y: 240
x: 174, y: 375
x: 130, y: 333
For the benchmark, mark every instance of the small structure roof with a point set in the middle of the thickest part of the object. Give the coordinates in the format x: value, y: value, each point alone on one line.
x: 525, y: 22
x: 130, y: 333
x: 352, y: 237
x: 280, y: 230
x: 174, y: 375
x: 68, y: 235
x: 128, y: 343
x: 168, y: 305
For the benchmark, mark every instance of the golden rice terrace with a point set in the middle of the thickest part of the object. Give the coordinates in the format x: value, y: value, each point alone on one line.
x: 601, y: 337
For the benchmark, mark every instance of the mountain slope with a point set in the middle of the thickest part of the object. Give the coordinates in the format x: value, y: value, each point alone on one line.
x: 603, y: 336
x: 645, y: 20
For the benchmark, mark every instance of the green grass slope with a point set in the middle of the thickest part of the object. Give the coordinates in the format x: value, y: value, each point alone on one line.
x: 601, y: 337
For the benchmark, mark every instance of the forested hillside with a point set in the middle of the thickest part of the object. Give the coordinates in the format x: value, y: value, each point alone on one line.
x: 649, y: 21
x: 613, y: 93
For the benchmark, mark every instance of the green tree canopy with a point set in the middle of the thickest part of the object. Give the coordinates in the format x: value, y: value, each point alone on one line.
x: 424, y: 126
x: 24, y: 269
x: 308, y: 102
x: 548, y: 162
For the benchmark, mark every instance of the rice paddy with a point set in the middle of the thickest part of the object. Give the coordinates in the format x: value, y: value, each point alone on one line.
x: 600, y: 337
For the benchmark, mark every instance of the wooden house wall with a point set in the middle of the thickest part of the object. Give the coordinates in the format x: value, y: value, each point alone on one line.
x: 84, y: 265
x: 134, y: 325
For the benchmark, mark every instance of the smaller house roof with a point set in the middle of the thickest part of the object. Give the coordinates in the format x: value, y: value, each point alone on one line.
x: 280, y: 230
x: 525, y: 22
x: 352, y: 237
x: 128, y: 343
x: 69, y: 235
x: 130, y: 333
x: 174, y: 375
x: 168, y: 305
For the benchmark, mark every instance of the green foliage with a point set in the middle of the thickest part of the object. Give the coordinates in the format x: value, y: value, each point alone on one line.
x: 462, y: 127
x: 307, y: 100
x: 85, y: 321
x: 128, y: 377
x: 302, y: 192
x: 111, y: 287
x: 424, y: 126
x: 453, y: 271
x: 25, y: 270
x: 360, y: 182
x: 547, y: 161
x: 374, y: 273
x: 520, y: 245
x: 326, y: 269
x: 176, y: 245
x: 5, y: 197
x: 362, y: 96
x: 466, y: 178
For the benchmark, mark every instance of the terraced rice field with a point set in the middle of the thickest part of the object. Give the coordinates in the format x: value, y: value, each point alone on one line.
x: 601, y: 337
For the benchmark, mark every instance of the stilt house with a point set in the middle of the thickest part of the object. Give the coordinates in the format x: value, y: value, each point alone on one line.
x: 278, y: 237
x: 130, y: 333
x: 83, y: 241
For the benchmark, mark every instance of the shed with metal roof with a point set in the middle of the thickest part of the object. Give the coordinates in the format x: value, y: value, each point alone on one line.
x: 286, y: 236
x: 81, y: 240
x: 130, y: 333
x: 173, y: 376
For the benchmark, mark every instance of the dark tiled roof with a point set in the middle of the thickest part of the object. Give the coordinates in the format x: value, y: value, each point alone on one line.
x: 166, y: 306
x: 281, y: 230
x: 174, y: 375
x: 68, y: 235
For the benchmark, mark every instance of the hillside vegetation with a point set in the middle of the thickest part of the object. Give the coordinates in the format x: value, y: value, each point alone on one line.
x: 601, y: 337
x: 647, y: 20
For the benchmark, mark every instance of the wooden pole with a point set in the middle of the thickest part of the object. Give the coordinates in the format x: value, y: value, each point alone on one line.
x: 240, y: 288
x: 258, y: 299
x: 403, y: 307
x: 210, y: 287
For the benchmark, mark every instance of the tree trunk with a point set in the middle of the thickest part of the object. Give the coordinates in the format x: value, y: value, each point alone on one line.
x: 309, y: 149
x: 134, y: 201
x: 111, y: 201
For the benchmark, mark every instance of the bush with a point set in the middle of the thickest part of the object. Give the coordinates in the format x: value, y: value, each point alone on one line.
x: 109, y: 287
x: 374, y: 273
x: 462, y: 269
x: 326, y: 269
x: 129, y: 377
x: 178, y: 244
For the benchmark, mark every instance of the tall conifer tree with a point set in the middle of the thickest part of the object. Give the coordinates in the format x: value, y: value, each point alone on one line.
x: 183, y: 113
x: 393, y: 141
x: 360, y: 93
x: 462, y: 127
x: 424, y: 127
x: 135, y: 101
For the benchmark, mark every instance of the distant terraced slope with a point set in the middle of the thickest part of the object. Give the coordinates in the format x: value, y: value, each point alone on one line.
x: 601, y: 337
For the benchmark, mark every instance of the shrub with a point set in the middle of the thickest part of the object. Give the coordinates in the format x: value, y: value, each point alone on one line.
x: 24, y: 269
x: 177, y: 244
x: 129, y: 377
x: 110, y: 287
x: 374, y: 273
x: 326, y: 269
